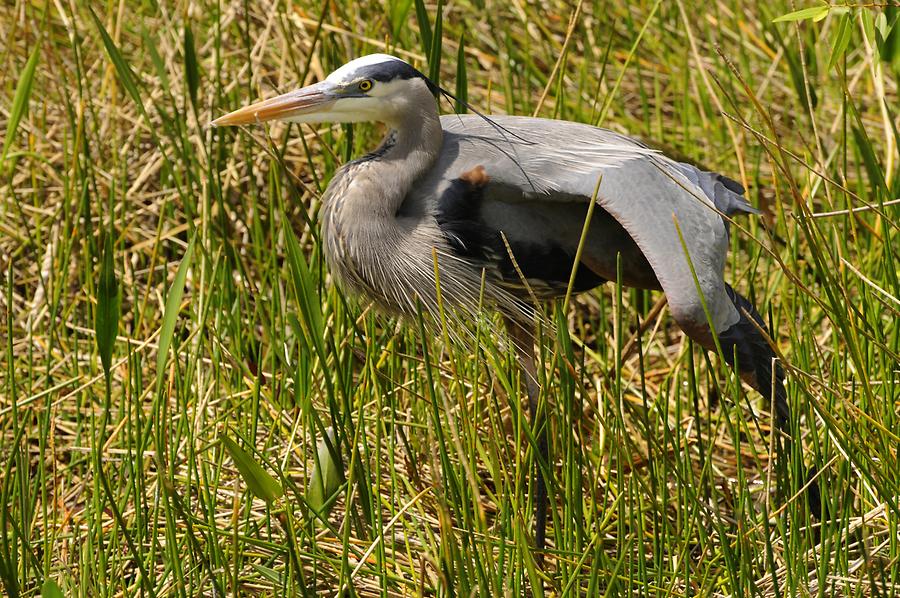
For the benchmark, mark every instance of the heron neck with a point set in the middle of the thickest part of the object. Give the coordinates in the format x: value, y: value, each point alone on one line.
x: 364, y: 201
x: 408, y: 150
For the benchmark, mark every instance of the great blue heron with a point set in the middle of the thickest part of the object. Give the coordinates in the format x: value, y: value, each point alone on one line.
x: 499, y: 204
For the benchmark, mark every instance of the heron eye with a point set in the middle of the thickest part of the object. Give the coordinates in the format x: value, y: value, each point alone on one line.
x: 365, y: 85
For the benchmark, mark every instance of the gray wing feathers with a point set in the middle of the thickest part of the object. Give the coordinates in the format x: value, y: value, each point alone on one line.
x: 540, y: 155
x: 647, y: 202
x: 642, y: 189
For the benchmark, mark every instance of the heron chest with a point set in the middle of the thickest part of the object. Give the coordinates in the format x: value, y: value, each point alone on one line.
x: 366, y: 248
x: 348, y: 258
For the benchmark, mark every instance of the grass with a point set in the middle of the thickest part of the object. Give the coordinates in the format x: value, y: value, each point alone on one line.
x: 164, y: 290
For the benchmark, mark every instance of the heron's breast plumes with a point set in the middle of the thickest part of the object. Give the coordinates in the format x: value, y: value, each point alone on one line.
x: 405, y: 264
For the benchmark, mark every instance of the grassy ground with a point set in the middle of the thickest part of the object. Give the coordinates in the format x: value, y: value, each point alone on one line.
x: 135, y: 238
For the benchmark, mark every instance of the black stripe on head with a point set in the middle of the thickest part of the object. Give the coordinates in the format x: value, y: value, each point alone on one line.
x: 390, y: 70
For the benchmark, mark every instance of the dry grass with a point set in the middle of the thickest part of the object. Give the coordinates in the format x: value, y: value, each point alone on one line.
x: 664, y: 482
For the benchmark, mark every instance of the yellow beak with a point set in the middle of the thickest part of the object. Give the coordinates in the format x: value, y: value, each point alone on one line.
x: 294, y: 106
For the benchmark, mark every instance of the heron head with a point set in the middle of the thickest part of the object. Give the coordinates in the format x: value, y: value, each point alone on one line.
x: 377, y: 87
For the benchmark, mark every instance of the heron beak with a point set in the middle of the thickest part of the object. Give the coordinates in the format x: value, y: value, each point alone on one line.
x: 294, y: 106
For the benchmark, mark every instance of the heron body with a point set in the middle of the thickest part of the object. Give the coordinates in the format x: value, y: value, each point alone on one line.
x: 487, y: 201
x: 494, y: 207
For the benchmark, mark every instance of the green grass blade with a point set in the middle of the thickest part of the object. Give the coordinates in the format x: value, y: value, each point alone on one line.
x: 126, y: 76
x: 306, y: 291
x: 815, y: 13
x: 840, y: 42
x: 170, y: 315
x: 20, y: 100
x: 259, y: 481
x: 51, y: 589
x: 191, y: 70
x: 158, y: 64
x: 462, y: 81
x: 399, y: 13
x: 870, y: 161
x: 424, y: 28
x: 437, y: 41
x: 325, y: 479
x: 106, y: 316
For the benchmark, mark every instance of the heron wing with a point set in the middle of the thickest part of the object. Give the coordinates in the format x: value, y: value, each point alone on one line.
x: 530, y: 161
